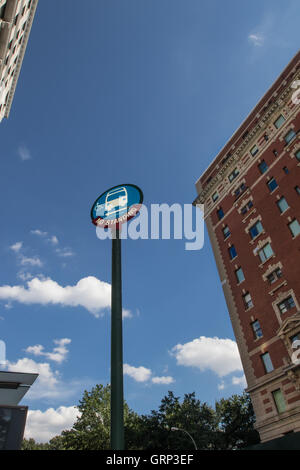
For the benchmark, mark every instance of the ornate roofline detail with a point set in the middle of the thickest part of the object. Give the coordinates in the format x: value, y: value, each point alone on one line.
x: 262, y: 124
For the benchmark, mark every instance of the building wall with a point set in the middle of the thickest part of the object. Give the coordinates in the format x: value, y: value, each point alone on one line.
x: 16, y: 17
x: 277, y: 328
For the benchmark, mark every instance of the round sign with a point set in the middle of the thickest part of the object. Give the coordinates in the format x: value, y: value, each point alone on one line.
x: 117, y: 205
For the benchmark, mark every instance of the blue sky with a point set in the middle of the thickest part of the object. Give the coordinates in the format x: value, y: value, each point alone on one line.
x: 144, y: 92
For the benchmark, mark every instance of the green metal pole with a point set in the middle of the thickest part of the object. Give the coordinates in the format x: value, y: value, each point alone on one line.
x: 117, y: 399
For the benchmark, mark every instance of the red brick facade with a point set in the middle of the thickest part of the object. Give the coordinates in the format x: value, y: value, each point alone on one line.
x: 239, y: 192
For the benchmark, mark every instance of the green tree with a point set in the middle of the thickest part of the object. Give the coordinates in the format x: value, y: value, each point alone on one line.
x: 154, y: 431
x: 91, y: 431
x: 229, y: 426
x: 236, y: 422
x: 31, y: 444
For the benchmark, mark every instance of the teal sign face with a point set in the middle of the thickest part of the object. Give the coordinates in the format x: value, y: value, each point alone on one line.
x: 117, y: 205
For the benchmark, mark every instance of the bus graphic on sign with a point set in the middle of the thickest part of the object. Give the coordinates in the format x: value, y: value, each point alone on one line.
x: 116, y: 201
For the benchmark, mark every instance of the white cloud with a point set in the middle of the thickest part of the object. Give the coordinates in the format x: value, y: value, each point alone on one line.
x: 47, y: 382
x: 44, y: 425
x: 53, y: 240
x: 139, y: 374
x: 221, y: 386
x: 59, y: 353
x: 24, y: 276
x: 164, y: 380
x: 218, y: 355
x: 256, y: 39
x: 240, y: 381
x: 64, y: 252
x: 89, y: 292
x: 142, y: 374
x: 24, y: 153
x: 16, y: 247
x: 39, y: 233
x: 27, y: 261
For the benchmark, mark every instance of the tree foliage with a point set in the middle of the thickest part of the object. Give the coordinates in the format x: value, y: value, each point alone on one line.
x: 230, y: 425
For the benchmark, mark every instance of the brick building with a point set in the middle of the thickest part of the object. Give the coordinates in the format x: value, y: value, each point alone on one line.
x: 251, y: 195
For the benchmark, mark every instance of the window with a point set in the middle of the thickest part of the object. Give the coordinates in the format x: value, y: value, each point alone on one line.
x: 265, y: 253
x: 257, y: 331
x: 215, y: 196
x: 294, y: 338
x: 220, y: 213
x: 286, y: 304
x: 263, y: 167
x: 279, y: 121
x: 232, y: 252
x: 16, y: 19
x: 294, y: 228
x: 274, y: 276
x: 279, y: 400
x: 2, y: 11
x: 267, y: 362
x: 240, y: 190
x: 272, y: 184
x: 10, y: 44
x: 246, y: 207
x: 256, y: 229
x: 233, y: 175
x: 282, y: 204
x: 247, y: 300
x: 297, y: 189
x: 290, y: 136
x: 297, y: 155
x: 239, y: 275
x: 254, y: 150
x: 226, y: 232
x: 266, y: 137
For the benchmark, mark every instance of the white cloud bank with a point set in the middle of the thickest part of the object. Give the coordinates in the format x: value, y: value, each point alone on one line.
x: 89, y: 292
x: 142, y: 374
x: 218, y: 355
x: 43, y: 426
x: 59, y: 353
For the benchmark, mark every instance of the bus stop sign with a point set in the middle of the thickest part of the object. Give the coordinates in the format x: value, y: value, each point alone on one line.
x: 117, y: 205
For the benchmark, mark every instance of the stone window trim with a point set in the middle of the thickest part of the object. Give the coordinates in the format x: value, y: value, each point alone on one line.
x: 285, y: 129
x: 290, y: 220
x: 290, y: 327
x: 260, y: 245
x: 294, y: 149
x: 270, y: 269
x: 252, y: 222
x: 280, y: 297
x: 283, y: 284
x: 237, y: 185
x: 243, y: 203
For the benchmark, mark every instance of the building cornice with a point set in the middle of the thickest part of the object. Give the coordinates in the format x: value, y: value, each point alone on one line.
x: 248, y: 141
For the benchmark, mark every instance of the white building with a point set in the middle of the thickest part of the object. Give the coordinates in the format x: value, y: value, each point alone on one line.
x: 16, y: 17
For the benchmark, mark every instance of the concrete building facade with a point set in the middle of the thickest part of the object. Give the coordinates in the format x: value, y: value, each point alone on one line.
x: 251, y: 197
x: 16, y: 17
